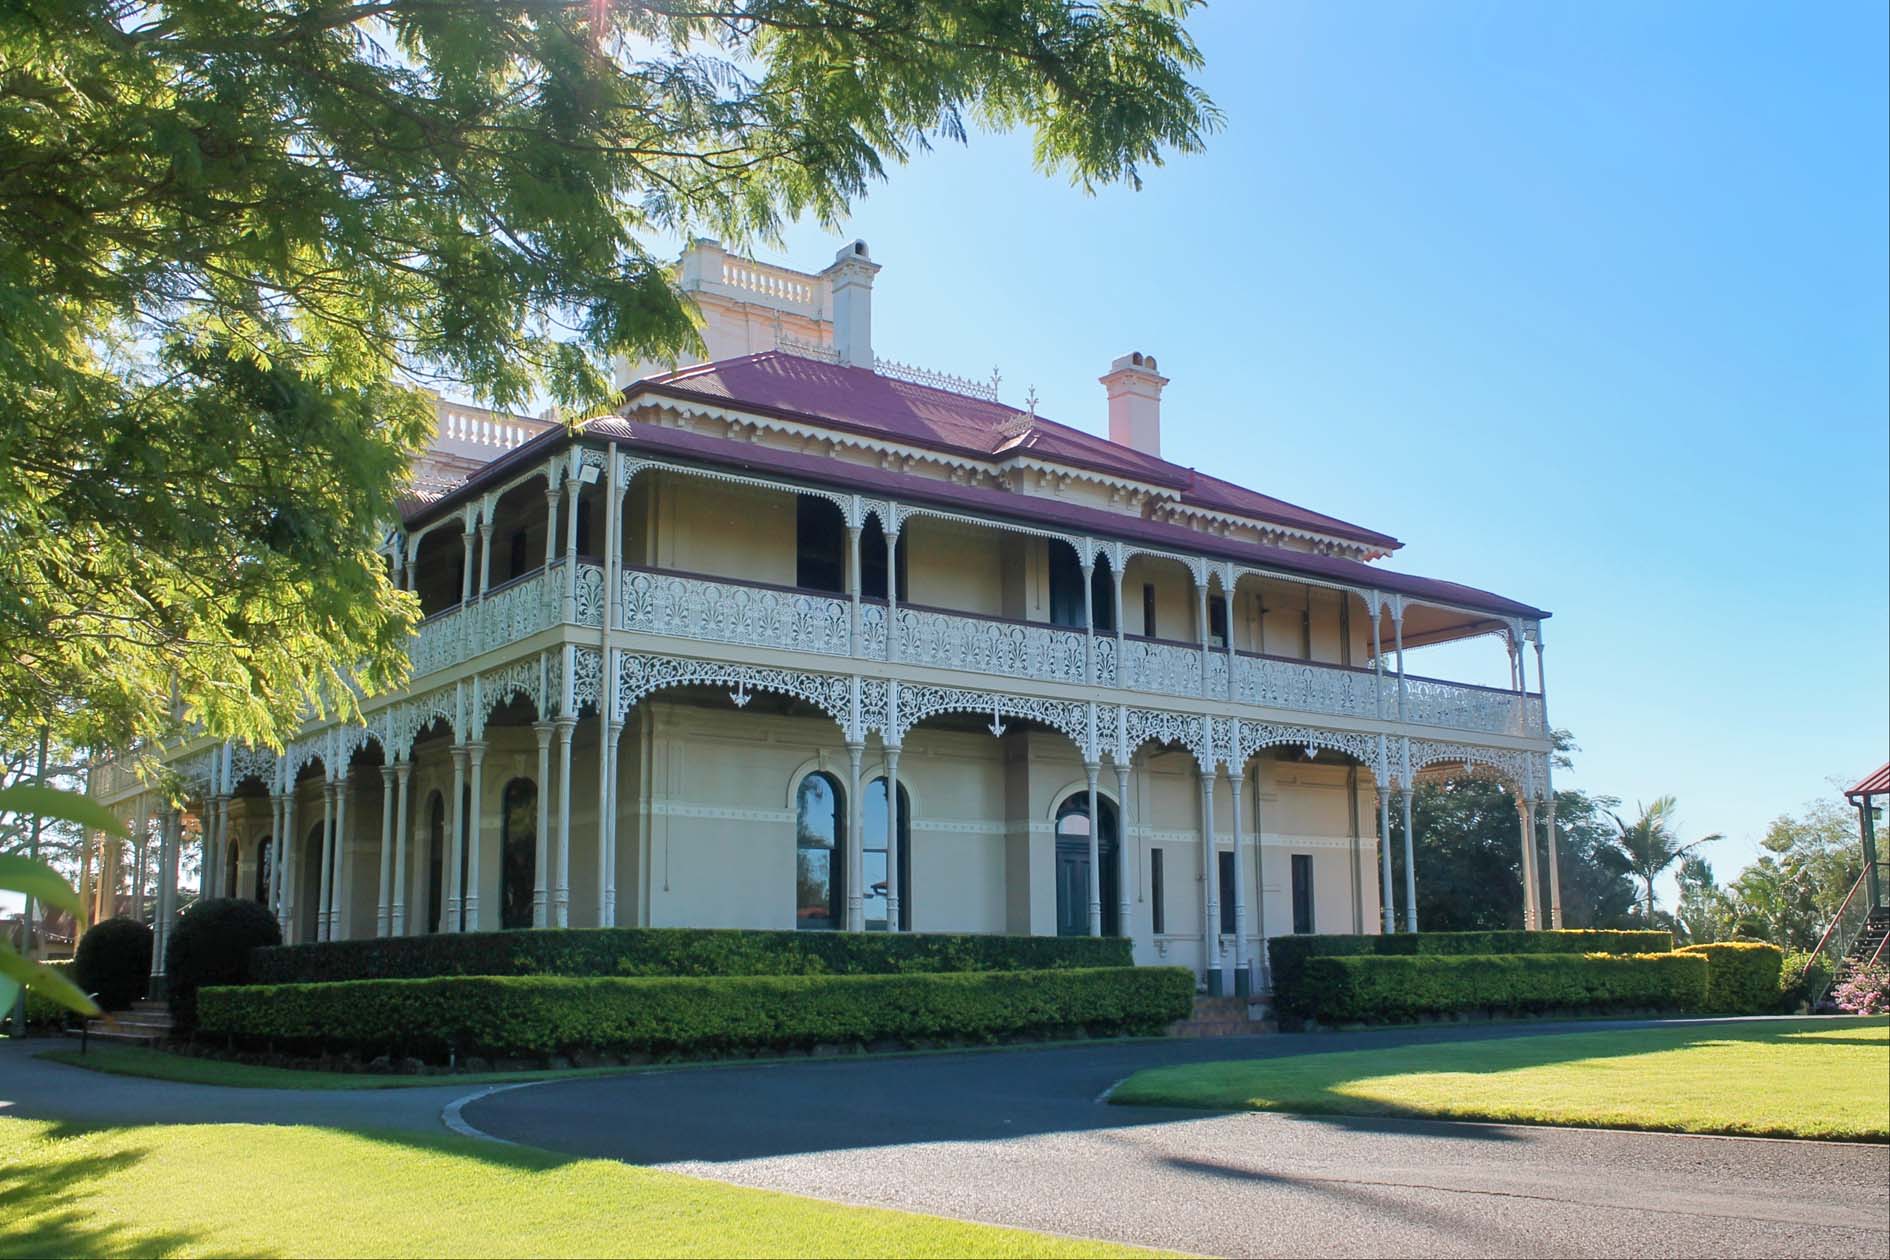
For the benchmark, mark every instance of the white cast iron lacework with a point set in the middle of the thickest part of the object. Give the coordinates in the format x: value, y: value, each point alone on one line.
x: 252, y: 763
x: 1467, y: 708
x: 437, y: 643
x: 413, y: 715
x: 724, y: 612
x: 873, y: 631
x: 1105, y: 662
x: 1185, y: 730
x: 587, y: 672
x: 520, y: 610
x: 1526, y: 772
x: 1168, y: 669
x: 1306, y: 687
x: 1046, y: 653
x: 1251, y: 737
x: 590, y: 595
x: 521, y: 678
x: 918, y: 703
x: 639, y: 676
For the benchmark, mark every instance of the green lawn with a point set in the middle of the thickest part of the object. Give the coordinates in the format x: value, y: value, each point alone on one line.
x: 259, y: 1190
x: 160, y: 1065
x: 1816, y: 1078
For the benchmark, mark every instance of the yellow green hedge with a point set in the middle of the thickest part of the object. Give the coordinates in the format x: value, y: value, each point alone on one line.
x: 1386, y: 990
x: 540, y: 1015
x: 1742, y: 976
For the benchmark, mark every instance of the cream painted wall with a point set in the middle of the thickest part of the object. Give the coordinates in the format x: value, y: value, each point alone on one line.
x: 954, y: 566
x: 722, y: 530
x: 1175, y: 602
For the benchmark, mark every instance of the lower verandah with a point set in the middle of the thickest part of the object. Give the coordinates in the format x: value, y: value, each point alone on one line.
x: 739, y: 817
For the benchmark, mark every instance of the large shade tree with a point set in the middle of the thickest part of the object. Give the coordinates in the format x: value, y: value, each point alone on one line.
x: 235, y: 234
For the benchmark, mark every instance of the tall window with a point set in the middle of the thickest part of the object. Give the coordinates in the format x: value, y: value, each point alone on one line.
x: 584, y: 514
x: 873, y: 561
x: 820, y: 545
x: 1102, y: 596
x: 819, y: 822
x: 1217, y: 620
x: 309, y: 890
x: 874, y: 857
x: 1302, y: 893
x: 518, y: 854
x: 1072, y: 866
x: 264, y: 859
x: 1066, y: 585
x: 229, y: 873
x: 1148, y: 609
x: 515, y: 555
x: 436, y: 858
x: 1227, y: 892
x: 1158, y: 906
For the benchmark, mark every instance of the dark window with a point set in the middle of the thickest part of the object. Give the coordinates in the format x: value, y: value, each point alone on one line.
x: 873, y: 857
x: 1102, y: 597
x: 1227, y: 893
x: 1217, y: 620
x: 584, y: 514
x: 229, y: 880
x: 1158, y: 912
x: 516, y: 558
x: 873, y: 561
x: 819, y: 822
x: 518, y: 853
x: 308, y: 892
x: 820, y: 545
x: 1302, y: 893
x: 1066, y: 586
x: 436, y: 860
x: 1148, y: 609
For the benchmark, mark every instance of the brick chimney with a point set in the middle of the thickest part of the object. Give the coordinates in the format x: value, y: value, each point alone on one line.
x: 1135, y: 402
x: 851, y: 279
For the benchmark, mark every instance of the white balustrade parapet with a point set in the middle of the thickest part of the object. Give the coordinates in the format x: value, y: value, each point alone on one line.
x: 686, y: 606
x: 1016, y: 649
x: 729, y: 612
x: 1306, y: 687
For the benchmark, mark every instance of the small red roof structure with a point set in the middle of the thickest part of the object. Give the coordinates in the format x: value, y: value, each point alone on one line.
x: 1876, y: 783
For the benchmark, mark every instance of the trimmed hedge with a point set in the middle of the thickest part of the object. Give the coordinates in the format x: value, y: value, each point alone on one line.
x: 1742, y: 977
x: 212, y: 944
x: 1288, y: 955
x: 542, y: 1015
x: 1802, y: 979
x: 678, y: 952
x: 1384, y: 990
x: 114, y: 961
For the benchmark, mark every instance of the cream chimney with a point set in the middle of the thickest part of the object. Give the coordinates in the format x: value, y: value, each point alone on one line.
x: 851, y: 280
x: 1135, y: 402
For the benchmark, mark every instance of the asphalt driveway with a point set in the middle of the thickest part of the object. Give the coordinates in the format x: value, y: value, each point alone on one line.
x: 1022, y: 1138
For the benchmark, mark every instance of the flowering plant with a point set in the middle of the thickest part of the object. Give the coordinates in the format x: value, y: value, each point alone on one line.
x: 1867, y: 992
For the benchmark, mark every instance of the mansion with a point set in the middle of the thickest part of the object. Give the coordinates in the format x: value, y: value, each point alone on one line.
x: 798, y: 637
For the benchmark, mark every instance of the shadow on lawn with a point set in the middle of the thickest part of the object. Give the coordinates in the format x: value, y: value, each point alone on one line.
x: 41, y: 1212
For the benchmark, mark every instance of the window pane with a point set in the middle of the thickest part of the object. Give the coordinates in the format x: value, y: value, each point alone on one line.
x: 813, y: 883
x: 873, y: 898
x: 817, y: 829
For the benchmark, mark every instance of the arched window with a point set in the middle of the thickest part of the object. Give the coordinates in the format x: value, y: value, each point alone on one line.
x: 264, y: 859
x: 819, y: 823
x: 436, y: 858
x: 1073, y: 865
x: 518, y: 854
x: 873, y: 857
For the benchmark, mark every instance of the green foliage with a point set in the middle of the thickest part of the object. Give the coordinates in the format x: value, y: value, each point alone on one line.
x: 1296, y: 994
x: 212, y: 944
x: 41, y: 1010
x: 679, y: 952
x: 1649, y: 846
x: 538, y: 1015
x: 41, y: 882
x: 1802, y: 979
x: 1742, y: 976
x: 228, y: 230
x: 113, y: 960
x: 1391, y: 989
x: 1469, y: 859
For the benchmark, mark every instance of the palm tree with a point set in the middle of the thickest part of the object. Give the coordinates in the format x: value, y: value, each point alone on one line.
x: 1650, y: 846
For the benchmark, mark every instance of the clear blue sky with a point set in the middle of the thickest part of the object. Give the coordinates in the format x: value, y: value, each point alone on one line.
x: 1586, y: 303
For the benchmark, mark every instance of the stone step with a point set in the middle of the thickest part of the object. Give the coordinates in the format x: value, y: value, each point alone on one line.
x: 122, y: 1036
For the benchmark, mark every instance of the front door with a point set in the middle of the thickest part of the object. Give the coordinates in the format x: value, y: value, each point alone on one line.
x: 1072, y: 888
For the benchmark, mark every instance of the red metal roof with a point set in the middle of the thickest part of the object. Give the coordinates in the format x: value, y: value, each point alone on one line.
x: 857, y: 400
x: 1876, y: 783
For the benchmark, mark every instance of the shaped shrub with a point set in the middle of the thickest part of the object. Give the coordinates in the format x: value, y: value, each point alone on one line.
x: 211, y: 945
x: 1742, y: 977
x: 680, y: 952
x: 1389, y: 990
x: 113, y: 960
x: 1288, y: 954
x: 540, y: 1015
